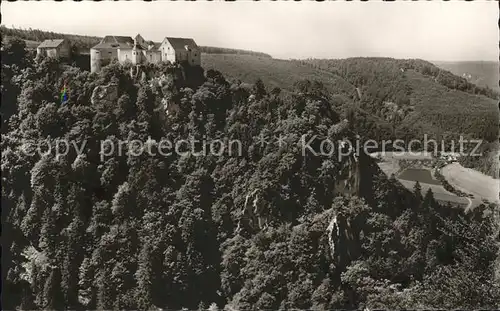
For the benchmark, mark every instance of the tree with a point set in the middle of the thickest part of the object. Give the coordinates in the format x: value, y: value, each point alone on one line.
x: 48, y: 237
x: 144, y: 276
x: 259, y: 89
x: 14, y: 52
x: 417, y: 190
x: 105, y: 291
x: 275, y: 91
x: 53, y: 297
x: 71, y: 263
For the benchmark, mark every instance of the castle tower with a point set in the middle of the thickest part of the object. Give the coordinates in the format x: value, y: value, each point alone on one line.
x: 138, y: 40
x: 95, y: 60
x: 137, y: 54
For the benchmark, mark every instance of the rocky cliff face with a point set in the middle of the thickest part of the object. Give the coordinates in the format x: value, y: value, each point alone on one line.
x: 253, y: 212
x: 333, y: 233
x: 343, y: 240
x: 349, y: 176
x: 106, y: 94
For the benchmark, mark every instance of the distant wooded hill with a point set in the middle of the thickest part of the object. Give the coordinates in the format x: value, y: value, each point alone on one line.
x: 33, y: 37
x: 391, y: 98
x: 482, y: 73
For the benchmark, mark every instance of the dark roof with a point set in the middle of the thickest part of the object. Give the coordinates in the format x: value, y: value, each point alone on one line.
x: 122, y: 42
x: 139, y: 47
x: 117, y: 39
x: 51, y: 43
x: 146, y: 44
x: 156, y: 45
x: 180, y: 43
x: 115, y: 42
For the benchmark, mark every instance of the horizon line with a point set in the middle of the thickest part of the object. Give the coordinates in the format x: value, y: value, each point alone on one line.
x: 258, y: 51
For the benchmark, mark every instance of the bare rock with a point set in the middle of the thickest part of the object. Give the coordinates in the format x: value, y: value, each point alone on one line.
x: 253, y: 211
x: 105, y: 94
x: 333, y: 233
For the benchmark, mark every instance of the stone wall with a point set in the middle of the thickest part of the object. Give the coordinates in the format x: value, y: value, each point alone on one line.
x: 137, y: 57
x: 95, y: 60
x: 152, y: 56
x: 64, y: 49
x: 107, y: 95
x: 52, y: 52
x: 124, y: 55
x: 194, y: 58
x: 101, y: 57
x: 349, y: 177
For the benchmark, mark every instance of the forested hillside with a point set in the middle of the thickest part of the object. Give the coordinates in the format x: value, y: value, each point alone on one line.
x: 131, y: 230
x: 390, y: 98
x: 36, y: 36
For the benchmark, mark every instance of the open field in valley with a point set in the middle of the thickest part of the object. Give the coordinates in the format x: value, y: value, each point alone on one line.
x: 403, y: 155
x: 420, y: 175
x: 390, y: 165
x: 471, y: 181
x: 440, y: 193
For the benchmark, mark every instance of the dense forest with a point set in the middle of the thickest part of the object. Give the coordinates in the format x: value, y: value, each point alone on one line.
x: 84, y: 43
x: 350, y: 69
x: 127, y: 231
x: 391, y: 98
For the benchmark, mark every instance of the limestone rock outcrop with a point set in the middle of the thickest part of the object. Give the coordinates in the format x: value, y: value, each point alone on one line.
x: 105, y: 94
x: 170, y: 107
x: 343, y: 240
x: 340, y: 127
x: 333, y: 234
x: 349, y: 176
x: 254, y: 212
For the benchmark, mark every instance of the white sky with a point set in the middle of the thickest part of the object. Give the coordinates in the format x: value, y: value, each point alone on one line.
x: 432, y: 30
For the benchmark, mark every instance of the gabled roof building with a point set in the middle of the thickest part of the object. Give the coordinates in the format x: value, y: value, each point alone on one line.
x: 54, y: 48
x: 180, y: 49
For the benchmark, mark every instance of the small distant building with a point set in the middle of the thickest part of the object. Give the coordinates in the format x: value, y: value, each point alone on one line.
x: 139, y: 51
x: 449, y: 157
x: 54, y: 48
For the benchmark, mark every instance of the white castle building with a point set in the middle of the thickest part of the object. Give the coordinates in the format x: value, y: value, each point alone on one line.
x: 139, y: 51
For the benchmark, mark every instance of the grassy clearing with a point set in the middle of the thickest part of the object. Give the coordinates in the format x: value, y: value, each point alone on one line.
x: 420, y: 175
x: 390, y: 165
x: 389, y: 155
x: 472, y: 181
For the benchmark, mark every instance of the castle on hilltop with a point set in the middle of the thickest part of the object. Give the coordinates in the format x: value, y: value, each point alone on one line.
x: 139, y: 51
